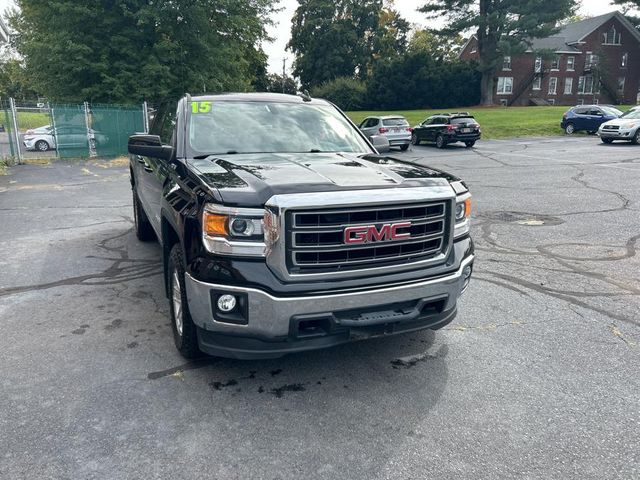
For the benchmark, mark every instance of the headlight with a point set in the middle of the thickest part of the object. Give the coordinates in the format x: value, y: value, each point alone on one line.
x: 463, y: 214
x: 233, y: 231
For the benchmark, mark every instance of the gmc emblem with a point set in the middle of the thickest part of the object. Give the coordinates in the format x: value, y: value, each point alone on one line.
x: 370, y: 233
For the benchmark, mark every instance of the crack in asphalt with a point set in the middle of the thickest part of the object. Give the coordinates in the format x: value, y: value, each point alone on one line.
x: 122, y: 269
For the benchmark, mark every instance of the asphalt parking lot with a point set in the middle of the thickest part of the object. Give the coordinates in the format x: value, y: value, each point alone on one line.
x: 538, y: 377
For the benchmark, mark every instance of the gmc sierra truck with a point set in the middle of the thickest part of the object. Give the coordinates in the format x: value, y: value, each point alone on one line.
x: 284, y: 229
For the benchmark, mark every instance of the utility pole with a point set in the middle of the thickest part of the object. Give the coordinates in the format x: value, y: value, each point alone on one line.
x: 284, y: 72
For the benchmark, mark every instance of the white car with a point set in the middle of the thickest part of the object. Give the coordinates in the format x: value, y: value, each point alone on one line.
x: 40, y: 138
x: 627, y: 127
x: 68, y: 136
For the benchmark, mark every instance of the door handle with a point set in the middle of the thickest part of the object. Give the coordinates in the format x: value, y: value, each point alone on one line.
x: 140, y: 159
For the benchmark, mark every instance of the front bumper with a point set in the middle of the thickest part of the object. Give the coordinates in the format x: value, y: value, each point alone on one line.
x: 276, y: 326
x: 622, y: 134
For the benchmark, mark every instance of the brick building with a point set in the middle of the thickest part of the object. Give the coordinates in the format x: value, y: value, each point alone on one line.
x: 593, y: 61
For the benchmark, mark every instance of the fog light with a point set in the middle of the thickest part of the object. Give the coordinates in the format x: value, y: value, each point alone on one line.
x: 466, y: 275
x: 226, y: 303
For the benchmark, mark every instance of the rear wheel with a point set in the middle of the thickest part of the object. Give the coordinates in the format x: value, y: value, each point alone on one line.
x: 185, y: 332
x: 470, y: 143
x: 606, y: 140
x: 636, y: 138
x: 414, y: 139
x: 42, y: 146
x: 404, y: 148
x: 440, y: 142
x: 142, y: 226
x: 570, y: 129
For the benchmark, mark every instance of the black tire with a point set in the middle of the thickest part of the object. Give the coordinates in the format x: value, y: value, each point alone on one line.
x: 404, y: 148
x: 141, y: 223
x: 592, y: 132
x: 606, y: 140
x: 185, y: 332
x: 414, y: 139
x: 440, y: 141
x: 42, y: 146
x: 636, y: 138
x: 470, y: 143
x: 570, y: 128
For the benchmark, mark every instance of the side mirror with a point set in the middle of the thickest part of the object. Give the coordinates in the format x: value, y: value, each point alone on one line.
x: 381, y: 143
x: 149, y: 146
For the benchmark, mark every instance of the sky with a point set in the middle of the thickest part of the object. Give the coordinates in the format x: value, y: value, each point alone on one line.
x: 281, y: 29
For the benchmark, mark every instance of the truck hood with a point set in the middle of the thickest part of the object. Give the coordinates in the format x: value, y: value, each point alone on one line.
x: 251, y: 179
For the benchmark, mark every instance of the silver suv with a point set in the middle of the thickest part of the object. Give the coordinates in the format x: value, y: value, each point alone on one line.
x: 394, y: 127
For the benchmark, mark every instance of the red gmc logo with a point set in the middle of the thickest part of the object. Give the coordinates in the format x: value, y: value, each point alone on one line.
x: 370, y: 233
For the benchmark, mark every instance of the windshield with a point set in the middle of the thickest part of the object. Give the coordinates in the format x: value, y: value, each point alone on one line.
x: 612, y: 111
x: 395, y: 122
x: 270, y: 127
x: 632, y: 115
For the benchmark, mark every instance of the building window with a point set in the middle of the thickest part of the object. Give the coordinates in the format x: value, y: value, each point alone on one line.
x: 568, y: 86
x: 538, y: 65
x: 581, y: 101
x: 571, y: 64
x: 504, y: 102
x: 537, y: 82
x: 591, y: 60
x: 612, y: 37
x: 621, y: 82
x: 555, y: 64
x: 506, y: 63
x: 551, y: 101
x: 553, y: 85
x: 625, y: 60
x: 585, y: 84
x: 474, y: 50
x: 596, y: 101
x: 505, y: 85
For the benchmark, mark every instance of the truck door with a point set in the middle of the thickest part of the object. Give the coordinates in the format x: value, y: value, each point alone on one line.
x: 152, y: 172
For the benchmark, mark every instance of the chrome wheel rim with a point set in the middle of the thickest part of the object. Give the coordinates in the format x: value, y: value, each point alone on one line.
x: 176, y: 297
x: 569, y: 129
x: 414, y: 139
x: 439, y: 142
x: 42, y: 147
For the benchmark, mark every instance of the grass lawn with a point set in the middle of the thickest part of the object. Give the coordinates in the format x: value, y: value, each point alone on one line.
x: 28, y: 120
x: 496, y: 122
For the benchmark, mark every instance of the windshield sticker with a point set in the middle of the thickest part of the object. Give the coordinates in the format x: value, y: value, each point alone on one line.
x: 200, y: 107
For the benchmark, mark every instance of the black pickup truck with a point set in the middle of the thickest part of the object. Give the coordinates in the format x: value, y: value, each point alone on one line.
x: 284, y: 229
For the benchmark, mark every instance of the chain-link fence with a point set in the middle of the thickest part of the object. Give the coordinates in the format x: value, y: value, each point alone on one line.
x: 37, y: 130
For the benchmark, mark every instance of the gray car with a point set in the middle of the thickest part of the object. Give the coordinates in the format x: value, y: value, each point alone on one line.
x: 627, y: 127
x: 394, y: 127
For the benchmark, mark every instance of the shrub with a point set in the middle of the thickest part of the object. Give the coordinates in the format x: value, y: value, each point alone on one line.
x: 347, y: 93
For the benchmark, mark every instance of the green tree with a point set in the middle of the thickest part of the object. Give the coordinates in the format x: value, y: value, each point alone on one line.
x: 14, y: 81
x: 346, y: 92
x: 278, y: 84
x: 503, y: 27
x: 342, y: 38
x: 627, y: 7
x: 129, y: 50
x: 438, y: 46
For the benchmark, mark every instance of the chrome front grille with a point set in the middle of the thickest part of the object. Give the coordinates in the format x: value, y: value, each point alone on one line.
x: 611, y: 127
x: 316, y: 238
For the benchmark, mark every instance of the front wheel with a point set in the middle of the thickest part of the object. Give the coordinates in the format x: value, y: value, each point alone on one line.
x: 42, y: 146
x: 185, y: 332
x: 414, y: 139
x: 636, y: 138
x: 570, y: 129
x: 606, y: 140
x: 470, y: 143
x: 440, y: 142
